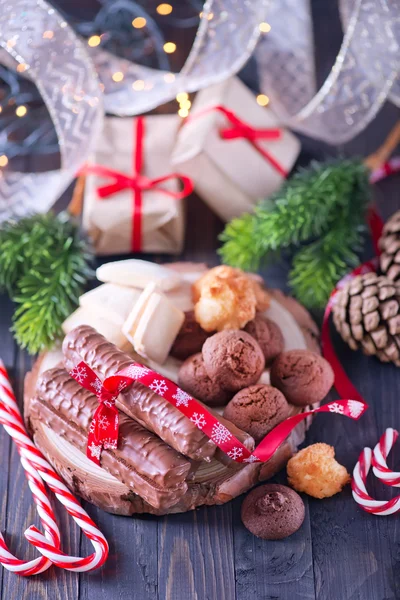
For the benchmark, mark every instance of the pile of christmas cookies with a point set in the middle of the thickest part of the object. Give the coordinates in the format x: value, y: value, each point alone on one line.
x: 241, y: 350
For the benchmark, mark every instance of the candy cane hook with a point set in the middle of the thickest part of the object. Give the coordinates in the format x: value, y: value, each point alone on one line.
x: 379, y: 458
x: 360, y: 494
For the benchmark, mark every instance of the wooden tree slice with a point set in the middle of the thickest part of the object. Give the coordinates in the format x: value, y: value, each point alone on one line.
x: 214, y: 482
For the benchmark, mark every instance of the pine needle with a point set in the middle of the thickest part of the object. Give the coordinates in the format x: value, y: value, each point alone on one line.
x: 319, y: 215
x: 44, y: 265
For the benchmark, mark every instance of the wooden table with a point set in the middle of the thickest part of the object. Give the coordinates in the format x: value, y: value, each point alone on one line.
x: 340, y: 553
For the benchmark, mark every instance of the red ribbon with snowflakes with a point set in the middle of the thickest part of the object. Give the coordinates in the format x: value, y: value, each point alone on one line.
x: 105, y: 435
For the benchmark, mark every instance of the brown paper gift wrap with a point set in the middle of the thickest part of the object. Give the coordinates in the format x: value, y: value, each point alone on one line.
x: 109, y: 221
x: 230, y: 175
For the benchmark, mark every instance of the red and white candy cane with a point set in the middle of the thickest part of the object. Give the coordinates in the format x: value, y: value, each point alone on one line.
x: 379, y: 458
x: 38, y: 470
x: 360, y: 494
x: 11, y: 419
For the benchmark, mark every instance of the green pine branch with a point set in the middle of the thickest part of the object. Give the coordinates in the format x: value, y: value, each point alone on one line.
x: 317, y: 267
x: 319, y: 213
x: 44, y: 265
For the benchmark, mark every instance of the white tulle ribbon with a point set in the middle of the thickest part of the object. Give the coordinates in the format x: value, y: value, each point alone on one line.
x: 32, y: 33
x: 365, y: 72
x: 226, y: 38
x: 363, y: 77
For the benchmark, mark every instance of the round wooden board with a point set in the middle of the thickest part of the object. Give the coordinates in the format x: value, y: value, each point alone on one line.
x: 214, y: 482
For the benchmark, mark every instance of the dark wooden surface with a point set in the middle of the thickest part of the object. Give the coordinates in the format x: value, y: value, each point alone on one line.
x: 340, y: 553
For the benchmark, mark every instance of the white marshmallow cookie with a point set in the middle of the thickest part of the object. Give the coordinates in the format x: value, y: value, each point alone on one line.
x: 138, y: 273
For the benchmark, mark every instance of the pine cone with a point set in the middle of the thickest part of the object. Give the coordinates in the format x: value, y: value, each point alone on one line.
x: 367, y: 316
x: 389, y: 244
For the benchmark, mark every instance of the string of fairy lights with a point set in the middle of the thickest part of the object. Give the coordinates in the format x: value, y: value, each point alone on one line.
x: 23, y: 100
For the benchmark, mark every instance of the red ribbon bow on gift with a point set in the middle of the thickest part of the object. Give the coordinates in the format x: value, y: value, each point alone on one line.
x: 137, y: 182
x: 241, y: 130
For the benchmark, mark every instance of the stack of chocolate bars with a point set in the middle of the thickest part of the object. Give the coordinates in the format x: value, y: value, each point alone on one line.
x: 163, y: 463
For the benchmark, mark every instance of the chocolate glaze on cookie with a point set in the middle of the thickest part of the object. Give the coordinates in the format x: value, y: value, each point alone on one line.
x: 233, y: 359
x: 268, y: 335
x: 194, y: 380
x: 273, y: 511
x: 257, y: 409
x: 302, y: 376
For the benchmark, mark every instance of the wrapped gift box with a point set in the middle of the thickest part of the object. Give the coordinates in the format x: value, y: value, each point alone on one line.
x: 234, y: 159
x: 124, y: 213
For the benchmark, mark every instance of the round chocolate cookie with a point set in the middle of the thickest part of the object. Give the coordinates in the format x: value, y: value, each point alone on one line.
x: 233, y: 359
x: 303, y: 376
x: 257, y: 409
x: 190, y: 338
x: 273, y: 511
x: 268, y: 335
x: 193, y: 378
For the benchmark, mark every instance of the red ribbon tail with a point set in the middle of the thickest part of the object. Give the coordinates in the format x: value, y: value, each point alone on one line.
x: 268, y: 157
x: 187, y: 185
x: 375, y: 223
x: 249, y: 133
x: 343, y: 385
x: 104, y: 191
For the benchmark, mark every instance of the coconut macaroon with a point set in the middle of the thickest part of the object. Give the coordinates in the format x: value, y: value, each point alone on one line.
x: 315, y: 471
x: 227, y: 298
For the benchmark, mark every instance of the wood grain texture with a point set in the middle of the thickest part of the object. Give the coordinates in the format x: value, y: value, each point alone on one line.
x: 196, y: 555
x: 132, y: 567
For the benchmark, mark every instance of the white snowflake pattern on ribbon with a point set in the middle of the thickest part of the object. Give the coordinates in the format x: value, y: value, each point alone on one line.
x: 110, y: 444
x: 235, y: 453
x: 336, y: 408
x: 95, y: 450
x: 92, y: 426
x: 79, y: 374
x: 136, y: 371
x: 121, y: 386
x: 251, y: 459
x: 97, y: 386
x: 198, y: 419
x: 355, y: 408
x: 182, y: 398
x: 103, y: 422
x: 220, y: 434
x: 159, y: 387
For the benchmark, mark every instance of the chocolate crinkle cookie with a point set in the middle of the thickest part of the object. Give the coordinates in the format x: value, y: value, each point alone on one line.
x: 257, y: 409
x: 233, y: 359
x: 193, y: 378
x: 190, y: 338
x: 268, y: 335
x: 302, y: 376
x: 273, y: 511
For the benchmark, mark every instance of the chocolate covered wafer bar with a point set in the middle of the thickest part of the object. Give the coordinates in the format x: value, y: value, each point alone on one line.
x: 139, y: 402
x: 142, y: 461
